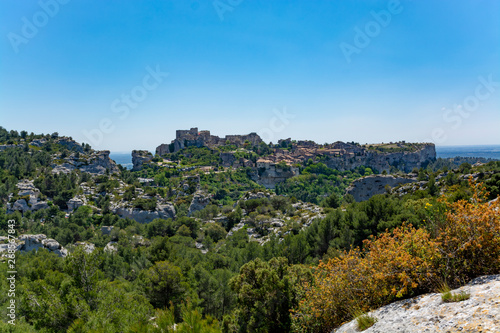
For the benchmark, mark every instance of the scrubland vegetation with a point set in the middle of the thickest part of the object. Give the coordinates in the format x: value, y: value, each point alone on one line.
x: 354, y: 257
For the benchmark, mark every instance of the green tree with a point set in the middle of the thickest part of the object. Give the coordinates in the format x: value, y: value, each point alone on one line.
x: 266, y: 292
x: 164, y: 283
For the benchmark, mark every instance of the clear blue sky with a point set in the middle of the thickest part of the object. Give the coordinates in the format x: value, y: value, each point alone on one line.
x: 232, y: 65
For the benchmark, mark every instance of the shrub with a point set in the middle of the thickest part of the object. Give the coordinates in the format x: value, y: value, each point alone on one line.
x: 469, y: 239
x: 392, y: 266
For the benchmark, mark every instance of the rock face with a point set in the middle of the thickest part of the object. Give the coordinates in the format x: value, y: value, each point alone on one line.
x: 20, y: 205
x: 364, y: 188
x: 200, y: 201
x: 26, y: 188
x: 96, y: 163
x: 3, y: 147
x: 139, y: 157
x: 270, y: 174
x: 87, y: 247
x: 404, y: 161
x: 195, y: 138
x: 162, y: 211
x: 35, y: 242
x: 428, y: 313
x: 106, y: 230
x: 76, y: 202
x: 99, y: 162
x: 69, y: 144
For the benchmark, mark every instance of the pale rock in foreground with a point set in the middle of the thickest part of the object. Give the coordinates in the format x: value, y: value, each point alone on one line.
x: 428, y: 313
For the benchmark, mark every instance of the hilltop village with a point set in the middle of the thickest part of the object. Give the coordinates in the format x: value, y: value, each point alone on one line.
x: 282, y: 161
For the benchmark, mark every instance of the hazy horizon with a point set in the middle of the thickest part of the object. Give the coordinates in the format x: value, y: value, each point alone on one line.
x: 125, y: 75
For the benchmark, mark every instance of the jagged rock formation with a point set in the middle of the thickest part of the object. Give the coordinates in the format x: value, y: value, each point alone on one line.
x: 365, y: 188
x: 193, y: 137
x: 200, y: 201
x: 428, y: 313
x: 35, y: 242
x: 97, y: 162
x: 139, y: 157
x: 27, y: 190
x: 68, y: 143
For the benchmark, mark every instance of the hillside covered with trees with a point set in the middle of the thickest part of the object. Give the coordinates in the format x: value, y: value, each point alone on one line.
x: 176, y: 247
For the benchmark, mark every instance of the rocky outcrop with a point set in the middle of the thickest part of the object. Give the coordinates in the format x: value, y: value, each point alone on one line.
x: 106, y: 230
x: 428, y: 313
x: 200, y: 201
x: 99, y: 162
x: 378, y: 161
x: 111, y: 247
x: 28, y: 191
x: 166, y: 210
x: 269, y: 174
x: 76, y: 202
x: 20, y: 205
x: 162, y: 211
x: 87, y: 247
x: 139, y: 157
x: 3, y: 147
x: 38, y: 142
x: 69, y: 144
x: 365, y: 188
x: 39, y: 205
x: 35, y: 242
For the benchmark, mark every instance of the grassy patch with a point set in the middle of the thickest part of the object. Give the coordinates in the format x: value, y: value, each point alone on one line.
x: 448, y: 297
x: 365, y: 321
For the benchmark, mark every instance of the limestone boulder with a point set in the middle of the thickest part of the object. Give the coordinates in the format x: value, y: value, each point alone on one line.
x: 39, y: 205
x: 20, y: 205
x: 166, y: 210
x: 428, y: 313
x: 200, y: 201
